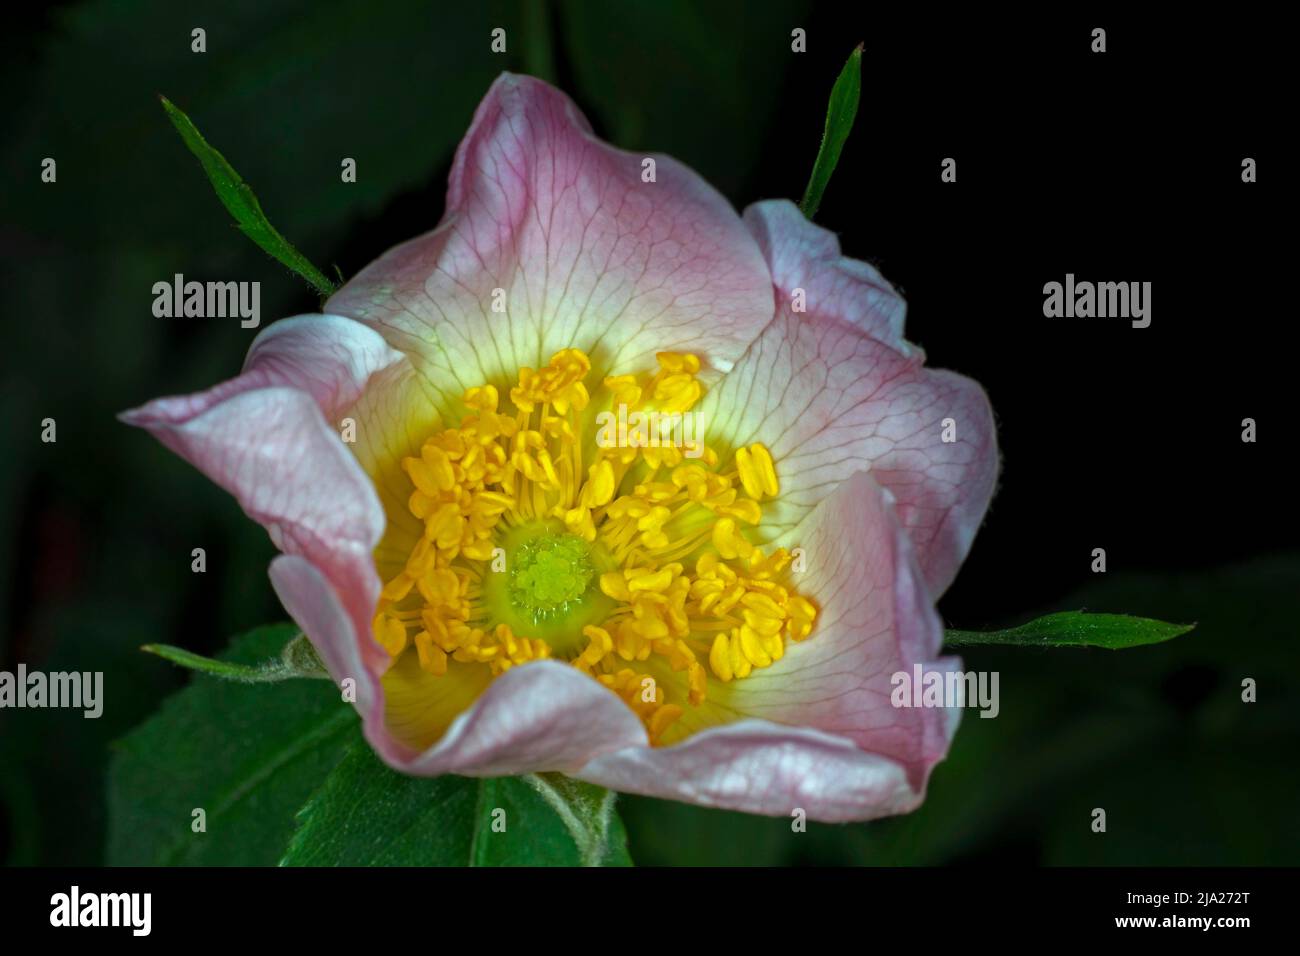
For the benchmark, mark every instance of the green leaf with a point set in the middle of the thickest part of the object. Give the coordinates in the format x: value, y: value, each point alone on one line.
x: 248, y: 755
x: 238, y: 198
x: 1076, y: 629
x: 366, y: 814
x: 840, y: 113
x: 297, y: 659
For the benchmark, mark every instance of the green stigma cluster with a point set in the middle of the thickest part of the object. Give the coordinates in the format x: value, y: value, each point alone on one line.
x: 548, y: 574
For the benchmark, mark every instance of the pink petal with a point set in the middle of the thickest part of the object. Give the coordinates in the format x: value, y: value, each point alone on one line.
x: 805, y: 256
x: 316, y: 606
x: 393, y: 417
x: 327, y: 356
x: 835, y: 390
x: 587, y: 254
x: 876, y: 619
x: 546, y: 715
x: 756, y: 766
x: 263, y: 437
x: 856, y: 756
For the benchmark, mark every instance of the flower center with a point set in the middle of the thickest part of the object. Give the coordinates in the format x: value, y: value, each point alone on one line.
x: 544, y: 586
x: 549, y: 574
x: 622, y: 550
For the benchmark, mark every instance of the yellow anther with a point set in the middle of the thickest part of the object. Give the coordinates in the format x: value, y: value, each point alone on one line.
x: 578, y: 521
x: 484, y: 398
x: 559, y: 383
x: 614, y: 584
x: 625, y: 389
x: 740, y: 664
x: 697, y: 682
x: 802, y: 615
x: 677, y: 393
x: 766, y: 567
x: 693, y: 477
x: 444, y: 527
x: 661, y: 719
x: 439, y: 586
x: 390, y: 632
x: 654, y: 519
x: 548, y: 469
x: 630, y: 643
x: 423, y: 477
x: 729, y: 541
x: 720, y: 657
x: 762, y: 459
x: 481, y: 550
x: 746, y: 509
x: 398, y: 588
x: 658, y: 491
x: 432, y: 657
x: 600, y: 484
x: 490, y: 504
x: 600, y: 646
x: 765, y: 626
x: 753, y: 648
x: 763, y: 605
x: 749, y: 477
x: 676, y: 362
x: 640, y: 579
x: 438, y: 463
x: 627, y: 506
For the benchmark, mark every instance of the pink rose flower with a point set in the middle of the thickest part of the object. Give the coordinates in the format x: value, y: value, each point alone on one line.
x: 511, y: 591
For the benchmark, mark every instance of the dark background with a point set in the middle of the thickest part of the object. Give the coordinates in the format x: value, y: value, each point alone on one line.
x: 1123, y: 166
